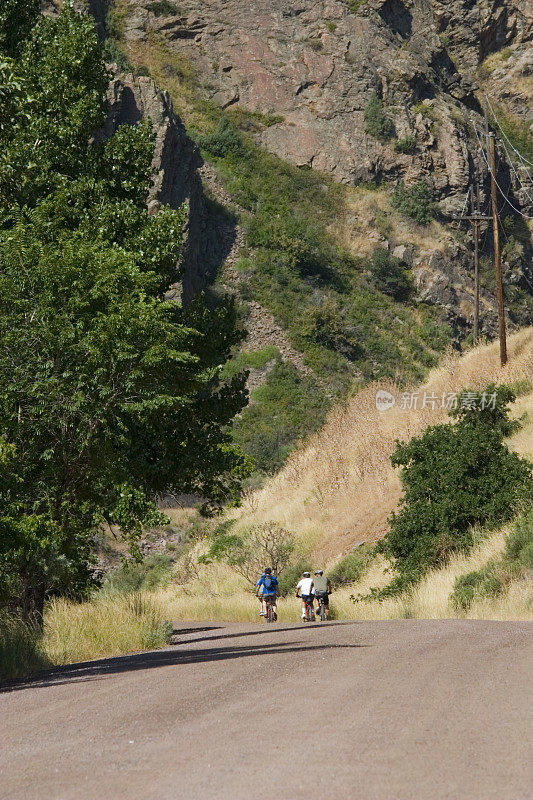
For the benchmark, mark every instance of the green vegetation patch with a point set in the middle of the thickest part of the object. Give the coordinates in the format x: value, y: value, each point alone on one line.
x: 377, y: 123
x: 151, y: 573
x: 413, y: 201
x: 163, y: 8
x: 405, y: 145
x: 283, y: 410
x: 20, y: 647
x: 455, y: 477
x: 351, y: 568
x: 496, y: 575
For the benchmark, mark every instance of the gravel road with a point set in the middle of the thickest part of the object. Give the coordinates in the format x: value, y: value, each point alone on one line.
x: 398, y: 710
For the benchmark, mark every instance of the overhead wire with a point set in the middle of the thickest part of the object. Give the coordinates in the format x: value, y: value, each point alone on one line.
x: 517, y: 210
x: 522, y: 158
x: 518, y: 178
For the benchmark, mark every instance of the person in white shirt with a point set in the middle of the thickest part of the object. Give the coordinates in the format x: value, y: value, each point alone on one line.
x: 305, y: 587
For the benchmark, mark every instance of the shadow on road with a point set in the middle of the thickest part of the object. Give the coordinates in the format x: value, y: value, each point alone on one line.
x: 91, y: 670
x: 260, y: 631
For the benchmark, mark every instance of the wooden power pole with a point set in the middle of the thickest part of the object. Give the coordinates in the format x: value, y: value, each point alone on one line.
x: 497, y: 248
x: 476, y: 222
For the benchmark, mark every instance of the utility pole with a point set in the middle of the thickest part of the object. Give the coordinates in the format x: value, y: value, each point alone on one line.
x: 475, y: 217
x: 476, y: 222
x: 491, y: 153
x: 497, y: 249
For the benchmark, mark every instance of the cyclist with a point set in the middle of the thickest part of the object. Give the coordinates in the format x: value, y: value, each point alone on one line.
x: 267, y: 587
x: 305, y: 586
x: 322, y: 588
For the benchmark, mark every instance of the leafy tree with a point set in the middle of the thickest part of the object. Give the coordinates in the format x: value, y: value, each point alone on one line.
x: 265, y: 545
x: 390, y: 275
x: 376, y: 121
x: 110, y: 393
x: 17, y: 18
x: 455, y: 477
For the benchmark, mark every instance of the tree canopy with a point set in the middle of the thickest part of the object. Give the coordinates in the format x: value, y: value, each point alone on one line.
x: 111, y: 393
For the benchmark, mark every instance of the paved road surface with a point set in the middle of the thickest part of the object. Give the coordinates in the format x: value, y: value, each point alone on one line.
x: 358, y: 711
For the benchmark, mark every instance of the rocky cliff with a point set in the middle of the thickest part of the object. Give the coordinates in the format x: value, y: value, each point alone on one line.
x: 312, y: 69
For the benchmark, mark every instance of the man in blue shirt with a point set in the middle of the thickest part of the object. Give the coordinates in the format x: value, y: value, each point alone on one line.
x: 268, y: 586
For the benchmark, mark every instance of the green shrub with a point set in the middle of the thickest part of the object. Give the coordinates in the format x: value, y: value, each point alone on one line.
x: 20, y: 647
x: 390, y: 275
x: 454, y: 478
x: 114, y: 23
x: 405, y: 145
x: 114, y: 55
x: 250, y: 359
x: 288, y: 580
x: 519, y: 545
x: 351, y: 568
x: 285, y: 408
x: 480, y: 583
x: 414, y: 201
x: 163, y: 8
x: 355, y: 5
x: 376, y: 121
x: 152, y: 573
x: 223, y: 142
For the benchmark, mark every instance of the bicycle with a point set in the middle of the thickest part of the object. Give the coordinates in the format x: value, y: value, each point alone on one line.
x: 270, y: 615
x: 309, y: 611
x: 321, y: 609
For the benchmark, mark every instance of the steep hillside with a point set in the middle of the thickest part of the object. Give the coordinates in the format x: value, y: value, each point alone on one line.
x: 339, y: 489
x: 337, y: 145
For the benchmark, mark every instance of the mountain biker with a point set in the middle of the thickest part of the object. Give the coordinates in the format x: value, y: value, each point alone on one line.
x: 268, y: 584
x: 322, y: 587
x: 305, y: 586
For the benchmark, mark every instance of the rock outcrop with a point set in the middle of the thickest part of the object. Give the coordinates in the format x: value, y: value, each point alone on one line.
x: 317, y: 64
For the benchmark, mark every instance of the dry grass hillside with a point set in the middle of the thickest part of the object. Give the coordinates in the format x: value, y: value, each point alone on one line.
x: 339, y: 488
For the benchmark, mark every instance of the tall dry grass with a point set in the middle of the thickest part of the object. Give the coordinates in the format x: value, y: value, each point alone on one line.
x: 339, y: 489
x: 220, y: 595
x: 106, y: 626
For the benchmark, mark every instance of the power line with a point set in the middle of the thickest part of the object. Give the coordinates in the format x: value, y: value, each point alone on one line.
x: 517, y: 210
x: 511, y: 163
x: 522, y: 158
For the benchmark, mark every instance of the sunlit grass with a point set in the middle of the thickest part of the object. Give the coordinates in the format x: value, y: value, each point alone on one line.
x: 104, y: 627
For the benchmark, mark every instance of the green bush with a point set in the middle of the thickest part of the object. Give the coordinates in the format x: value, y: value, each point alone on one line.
x: 223, y: 142
x: 20, y: 647
x: 287, y: 580
x: 351, y: 568
x: 519, y: 545
x: 163, y: 8
x: 390, y: 275
x: 250, y: 359
x: 114, y: 55
x: 376, y: 121
x: 152, y: 573
x: 414, y: 201
x: 454, y: 478
x: 481, y: 583
x: 355, y: 5
x: 405, y: 145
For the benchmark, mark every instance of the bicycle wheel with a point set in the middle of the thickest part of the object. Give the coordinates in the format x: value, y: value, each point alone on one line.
x: 322, y: 611
x: 270, y: 612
